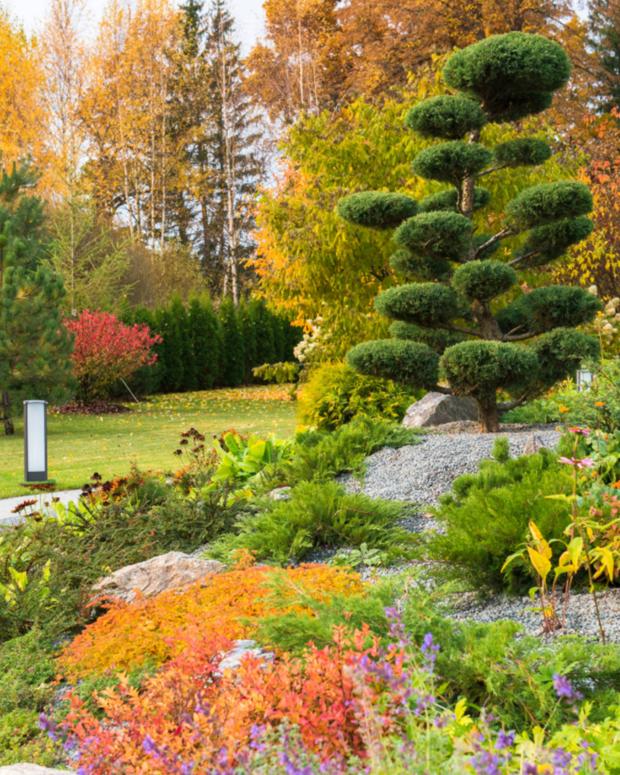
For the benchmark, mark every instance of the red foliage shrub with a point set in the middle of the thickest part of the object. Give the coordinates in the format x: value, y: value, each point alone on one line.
x: 106, y: 350
x: 188, y: 711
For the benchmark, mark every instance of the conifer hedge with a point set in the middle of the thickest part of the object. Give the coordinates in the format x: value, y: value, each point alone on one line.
x: 204, y: 348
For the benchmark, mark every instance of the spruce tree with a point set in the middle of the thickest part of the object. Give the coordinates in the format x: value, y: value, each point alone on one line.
x: 460, y: 327
x: 216, y: 213
x: 35, y: 348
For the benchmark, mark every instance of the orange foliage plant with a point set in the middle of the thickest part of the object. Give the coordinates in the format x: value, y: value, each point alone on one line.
x: 189, y: 713
x: 226, y: 604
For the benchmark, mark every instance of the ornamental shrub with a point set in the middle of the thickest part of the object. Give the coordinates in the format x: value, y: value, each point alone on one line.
x: 316, y: 514
x: 455, y: 288
x: 106, y: 350
x: 228, y: 604
x: 486, y: 516
x: 335, y: 394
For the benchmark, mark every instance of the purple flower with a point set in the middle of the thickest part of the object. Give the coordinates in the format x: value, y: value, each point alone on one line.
x: 561, y: 758
x: 485, y: 763
x: 150, y: 746
x: 564, y: 688
x: 504, y: 740
x: 530, y: 769
x: 47, y: 725
x: 581, y: 431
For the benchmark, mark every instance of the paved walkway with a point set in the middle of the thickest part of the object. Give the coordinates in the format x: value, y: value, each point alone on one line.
x: 8, y: 504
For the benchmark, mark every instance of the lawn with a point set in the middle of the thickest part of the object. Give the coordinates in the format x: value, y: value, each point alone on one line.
x: 79, y: 445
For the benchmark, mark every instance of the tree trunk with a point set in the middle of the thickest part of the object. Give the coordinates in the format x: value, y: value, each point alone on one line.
x: 488, y: 417
x: 9, y: 429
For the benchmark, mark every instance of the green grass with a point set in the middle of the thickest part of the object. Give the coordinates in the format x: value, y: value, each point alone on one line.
x: 79, y: 445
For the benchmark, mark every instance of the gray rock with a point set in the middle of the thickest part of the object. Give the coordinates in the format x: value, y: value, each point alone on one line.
x: 157, y: 575
x: 533, y: 444
x: 437, y: 409
x: 242, y: 648
x: 31, y: 769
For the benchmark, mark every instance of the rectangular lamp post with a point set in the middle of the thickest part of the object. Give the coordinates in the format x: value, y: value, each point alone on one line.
x: 35, y: 441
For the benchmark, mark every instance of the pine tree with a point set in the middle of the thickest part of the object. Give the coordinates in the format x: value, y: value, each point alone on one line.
x: 458, y: 329
x: 34, y: 345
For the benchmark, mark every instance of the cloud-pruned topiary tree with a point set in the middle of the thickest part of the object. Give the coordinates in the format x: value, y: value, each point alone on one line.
x: 452, y: 324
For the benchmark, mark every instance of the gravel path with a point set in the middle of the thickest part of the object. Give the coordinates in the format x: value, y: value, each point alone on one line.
x: 580, y: 613
x: 421, y: 473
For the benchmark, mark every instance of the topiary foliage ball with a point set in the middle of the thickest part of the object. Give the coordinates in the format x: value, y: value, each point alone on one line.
x: 507, y: 108
x: 377, y: 209
x: 558, y: 306
x: 447, y: 200
x: 549, y: 202
x: 426, y: 304
x: 488, y: 366
x: 437, y: 339
x: 561, y: 352
x: 451, y: 162
x: 524, y: 152
x: 450, y: 118
x: 405, y: 263
x: 483, y: 280
x: 552, y: 241
x: 412, y: 362
x: 513, y: 64
x: 439, y: 235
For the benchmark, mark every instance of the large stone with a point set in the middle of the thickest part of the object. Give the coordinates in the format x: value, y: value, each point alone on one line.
x: 31, y: 769
x: 533, y: 444
x: 438, y: 409
x: 157, y: 575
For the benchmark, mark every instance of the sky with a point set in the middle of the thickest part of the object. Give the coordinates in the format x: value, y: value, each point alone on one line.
x: 248, y: 14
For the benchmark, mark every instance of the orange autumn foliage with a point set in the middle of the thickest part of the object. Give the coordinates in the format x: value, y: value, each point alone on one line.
x: 130, y: 634
x: 190, y: 711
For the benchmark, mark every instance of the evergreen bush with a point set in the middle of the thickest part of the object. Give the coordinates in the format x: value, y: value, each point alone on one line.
x: 203, y: 348
x: 486, y: 516
x: 458, y: 288
x: 335, y: 395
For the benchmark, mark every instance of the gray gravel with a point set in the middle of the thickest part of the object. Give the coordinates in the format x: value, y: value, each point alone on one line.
x: 580, y: 613
x: 422, y: 472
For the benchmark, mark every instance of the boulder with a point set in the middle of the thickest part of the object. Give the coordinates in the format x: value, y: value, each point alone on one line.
x: 232, y: 659
x: 31, y: 769
x: 157, y: 575
x: 437, y: 409
x: 533, y: 444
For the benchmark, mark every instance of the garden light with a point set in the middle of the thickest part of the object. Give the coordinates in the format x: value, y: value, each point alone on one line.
x: 35, y: 441
x: 584, y: 379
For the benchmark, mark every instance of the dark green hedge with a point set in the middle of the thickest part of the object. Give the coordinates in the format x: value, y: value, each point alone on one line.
x: 205, y: 348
